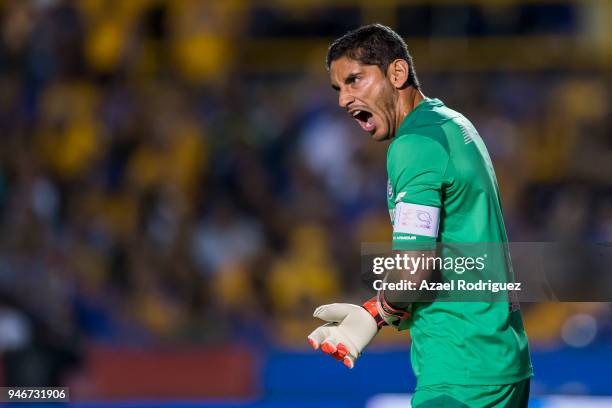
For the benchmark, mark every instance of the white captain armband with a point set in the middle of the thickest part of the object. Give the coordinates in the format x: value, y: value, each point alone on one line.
x: 416, y: 219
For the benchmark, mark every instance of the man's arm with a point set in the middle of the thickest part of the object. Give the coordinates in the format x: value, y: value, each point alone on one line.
x: 416, y: 166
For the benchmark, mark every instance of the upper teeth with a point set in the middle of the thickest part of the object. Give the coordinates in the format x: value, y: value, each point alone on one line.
x: 356, y: 113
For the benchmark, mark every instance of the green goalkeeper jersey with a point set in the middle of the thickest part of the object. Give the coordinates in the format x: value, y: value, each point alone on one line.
x: 442, y: 189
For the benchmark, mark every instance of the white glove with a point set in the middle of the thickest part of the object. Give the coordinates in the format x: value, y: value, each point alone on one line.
x: 349, y: 330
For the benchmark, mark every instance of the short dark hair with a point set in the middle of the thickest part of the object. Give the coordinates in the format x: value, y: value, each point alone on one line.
x: 373, y: 44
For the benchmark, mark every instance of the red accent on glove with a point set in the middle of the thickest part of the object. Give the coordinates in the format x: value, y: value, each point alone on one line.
x: 370, y: 306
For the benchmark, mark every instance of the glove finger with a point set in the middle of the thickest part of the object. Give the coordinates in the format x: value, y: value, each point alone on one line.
x: 350, y: 358
x: 337, y: 357
x: 341, y: 350
x: 349, y: 361
x: 336, y: 312
x: 318, y: 335
x: 329, y: 345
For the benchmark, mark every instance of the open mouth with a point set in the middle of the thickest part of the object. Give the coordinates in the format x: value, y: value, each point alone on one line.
x: 365, y: 120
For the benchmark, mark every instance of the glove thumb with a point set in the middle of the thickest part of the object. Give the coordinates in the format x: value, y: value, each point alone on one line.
x: 335, y: 312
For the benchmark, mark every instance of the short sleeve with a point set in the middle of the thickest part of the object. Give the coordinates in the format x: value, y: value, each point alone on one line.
x: 416, y: 166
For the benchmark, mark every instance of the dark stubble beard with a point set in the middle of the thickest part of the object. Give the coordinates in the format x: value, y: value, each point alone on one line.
x: 389, y: 103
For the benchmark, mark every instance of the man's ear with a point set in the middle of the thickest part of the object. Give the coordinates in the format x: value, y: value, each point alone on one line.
x: 398, y: 73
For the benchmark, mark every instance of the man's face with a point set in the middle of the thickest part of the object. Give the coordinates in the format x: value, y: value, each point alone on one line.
x: 367, y: 94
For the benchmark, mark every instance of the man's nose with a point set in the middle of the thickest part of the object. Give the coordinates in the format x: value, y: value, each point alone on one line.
x: 345, y: 99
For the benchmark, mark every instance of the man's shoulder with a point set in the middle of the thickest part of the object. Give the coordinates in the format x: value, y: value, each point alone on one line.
x: 418, y: 150
x: 433, y: 122
x: 417, y: 140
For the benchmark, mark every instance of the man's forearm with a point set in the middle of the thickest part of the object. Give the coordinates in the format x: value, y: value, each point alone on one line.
x: 401, y: 299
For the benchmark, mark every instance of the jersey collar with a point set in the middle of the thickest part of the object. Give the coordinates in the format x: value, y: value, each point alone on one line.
x: 412, y: 118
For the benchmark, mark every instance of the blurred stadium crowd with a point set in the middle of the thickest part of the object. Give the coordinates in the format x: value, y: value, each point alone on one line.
x: 155, y: 190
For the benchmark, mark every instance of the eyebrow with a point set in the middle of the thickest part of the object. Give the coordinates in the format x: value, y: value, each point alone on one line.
x: 347, y: 80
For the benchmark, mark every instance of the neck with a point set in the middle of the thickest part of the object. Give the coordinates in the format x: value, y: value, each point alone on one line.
x: 409, y: 98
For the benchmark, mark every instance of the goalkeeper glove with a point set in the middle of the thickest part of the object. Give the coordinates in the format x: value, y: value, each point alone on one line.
x: 349, y: 329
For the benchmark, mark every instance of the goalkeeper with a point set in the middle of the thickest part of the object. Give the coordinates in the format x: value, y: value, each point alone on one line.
x: 441, y: 189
